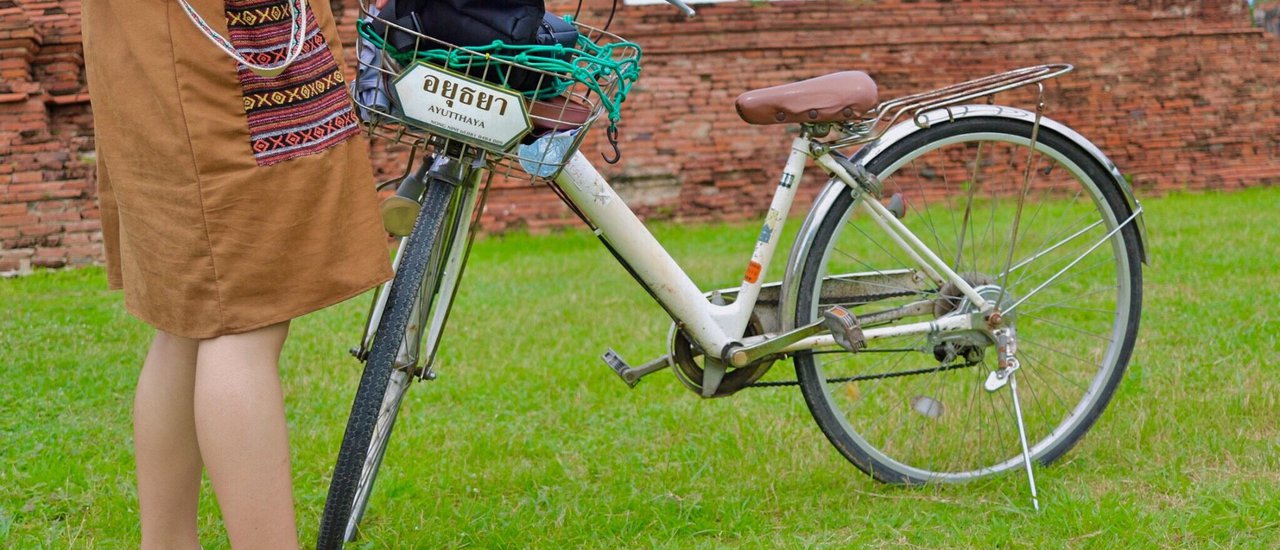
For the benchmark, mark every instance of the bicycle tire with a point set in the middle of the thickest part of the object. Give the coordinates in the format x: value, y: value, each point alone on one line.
x: 397, y: 385
x: 422, y: 245
x: 915, y: 428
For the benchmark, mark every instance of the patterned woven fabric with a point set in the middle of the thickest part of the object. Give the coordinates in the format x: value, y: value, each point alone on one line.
x: 303, y: 110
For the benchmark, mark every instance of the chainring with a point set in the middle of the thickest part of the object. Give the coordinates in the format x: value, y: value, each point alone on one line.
x: 690, y: 373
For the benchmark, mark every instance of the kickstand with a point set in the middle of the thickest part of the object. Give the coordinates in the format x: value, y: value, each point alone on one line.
x: 1022, y: 434
x: 1006, y: 347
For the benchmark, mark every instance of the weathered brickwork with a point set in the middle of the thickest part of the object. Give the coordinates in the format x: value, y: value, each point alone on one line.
x: 48, y: 211
x: 1181, y: 95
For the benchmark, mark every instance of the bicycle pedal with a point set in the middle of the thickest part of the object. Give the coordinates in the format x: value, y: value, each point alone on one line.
x: 632, y: 375
x: 844, y: 328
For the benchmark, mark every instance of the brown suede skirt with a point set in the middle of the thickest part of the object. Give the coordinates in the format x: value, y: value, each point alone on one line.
x: 229, y: 201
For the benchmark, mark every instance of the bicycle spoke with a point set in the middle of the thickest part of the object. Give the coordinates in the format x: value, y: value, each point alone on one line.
x: 1100, y: 242
x: 931, y: 393
x: 964, y: 223
x: 1037, y: 404
x: 1040, y: 202
x: 955, y: 230
x: 1032, y: 358
x: 1034, y: 368
x: 988, y: 233
x: 972, y: 418
x: 1028, y: 224
x: 1067, y: 327
x: 1062, y: 305
x: 1060, y: 225
x: 877, y: 271
x: 1040, y: 254
x: 926, y: 214
x: 1077, y: 273
x: 1078, y: 295
x: 876, y: 242
x: 1044, y: 266
x: 1035, y: 344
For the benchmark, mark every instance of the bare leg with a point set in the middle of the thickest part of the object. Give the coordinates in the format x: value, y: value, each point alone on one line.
x: 164, y: 436
x: 240, y: 423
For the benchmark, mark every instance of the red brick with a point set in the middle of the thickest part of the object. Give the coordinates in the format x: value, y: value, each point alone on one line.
x: 82, y: 226
x: 39, y: 230
x: 15, y: 220
x: 60, y: 217
x: 84, y: 250
x: 18, y: 253
x: 49, y: 261
x: 50, y: 253
x: 77, y: 238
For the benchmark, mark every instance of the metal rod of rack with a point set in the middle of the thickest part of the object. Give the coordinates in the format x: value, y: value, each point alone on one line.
x: 887, y: 113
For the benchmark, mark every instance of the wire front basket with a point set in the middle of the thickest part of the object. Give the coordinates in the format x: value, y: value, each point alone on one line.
x: 524, y: 109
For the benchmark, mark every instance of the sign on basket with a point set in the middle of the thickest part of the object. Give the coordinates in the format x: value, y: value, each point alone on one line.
x: 460, y: 107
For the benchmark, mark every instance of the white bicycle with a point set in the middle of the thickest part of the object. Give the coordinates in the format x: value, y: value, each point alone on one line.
x: 961, y: 300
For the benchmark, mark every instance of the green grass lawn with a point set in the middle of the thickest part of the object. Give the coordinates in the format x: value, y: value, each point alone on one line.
x: 528, y: 440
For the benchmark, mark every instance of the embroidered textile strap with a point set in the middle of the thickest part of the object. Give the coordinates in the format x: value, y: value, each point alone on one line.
x: 303, y: 110
x: 297, y: 36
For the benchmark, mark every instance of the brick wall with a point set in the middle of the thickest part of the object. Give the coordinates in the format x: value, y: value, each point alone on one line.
x: 48, y: 213
x: 1181, y: 94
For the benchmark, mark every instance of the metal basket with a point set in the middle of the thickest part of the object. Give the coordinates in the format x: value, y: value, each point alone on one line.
x: 565, y: 109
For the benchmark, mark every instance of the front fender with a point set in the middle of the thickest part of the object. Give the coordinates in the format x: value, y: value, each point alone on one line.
x: 826, y: 198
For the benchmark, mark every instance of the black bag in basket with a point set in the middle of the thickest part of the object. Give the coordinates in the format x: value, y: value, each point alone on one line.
x: 471, y: 23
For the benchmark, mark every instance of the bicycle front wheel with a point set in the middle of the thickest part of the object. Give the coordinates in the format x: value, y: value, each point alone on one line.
x: 382, y: 385
x: 1040, y: 226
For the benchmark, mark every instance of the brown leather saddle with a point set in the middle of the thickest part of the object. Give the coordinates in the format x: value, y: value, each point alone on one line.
x: 836, y: 97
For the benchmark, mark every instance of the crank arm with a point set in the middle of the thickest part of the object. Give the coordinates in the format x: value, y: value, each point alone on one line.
x: 741, y: 356
x: 837, y: 321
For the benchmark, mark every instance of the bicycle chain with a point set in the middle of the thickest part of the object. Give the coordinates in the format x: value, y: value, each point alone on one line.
x: 847, y: 379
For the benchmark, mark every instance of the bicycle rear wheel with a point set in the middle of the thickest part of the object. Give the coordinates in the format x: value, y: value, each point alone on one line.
x: 382, y: 385
x: 1044, y: 232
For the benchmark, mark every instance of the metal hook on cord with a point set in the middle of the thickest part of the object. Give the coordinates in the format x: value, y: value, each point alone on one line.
x: 613, y: 141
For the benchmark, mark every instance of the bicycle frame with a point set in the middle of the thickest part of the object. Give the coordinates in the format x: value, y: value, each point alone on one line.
x: 713, y: 328
x: 716, y: 328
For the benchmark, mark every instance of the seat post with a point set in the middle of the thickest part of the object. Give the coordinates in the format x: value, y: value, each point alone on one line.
x: 810, y: 130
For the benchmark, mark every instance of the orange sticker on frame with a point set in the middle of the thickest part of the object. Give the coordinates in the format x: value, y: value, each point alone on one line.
x: 753, y: 272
